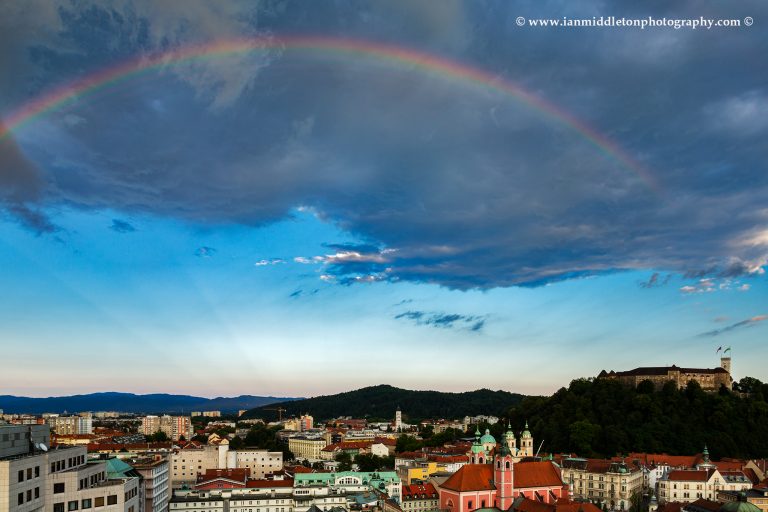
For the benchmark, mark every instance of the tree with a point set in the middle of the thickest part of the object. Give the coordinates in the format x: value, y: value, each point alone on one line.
x: 406, y: 443
x: 345, y: 461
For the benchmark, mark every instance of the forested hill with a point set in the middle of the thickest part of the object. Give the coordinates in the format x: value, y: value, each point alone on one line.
x: 602, y: 417
x: 380, y: 402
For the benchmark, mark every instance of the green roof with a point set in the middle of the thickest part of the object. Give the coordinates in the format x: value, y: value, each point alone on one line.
x: 116, y: 468
x: 369, y: 478
x: 739, y: 506
x: 488, y: 438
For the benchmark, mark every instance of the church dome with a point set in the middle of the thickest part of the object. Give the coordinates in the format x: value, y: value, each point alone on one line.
x: 526, y: 433
x: 742, y: 505
x: 488, y: 438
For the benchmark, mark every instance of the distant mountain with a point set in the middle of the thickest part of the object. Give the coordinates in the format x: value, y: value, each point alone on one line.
x: 129, y: 402
x: 380, y: 402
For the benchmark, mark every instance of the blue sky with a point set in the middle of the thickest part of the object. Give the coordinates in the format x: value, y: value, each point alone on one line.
x: 303, y: 223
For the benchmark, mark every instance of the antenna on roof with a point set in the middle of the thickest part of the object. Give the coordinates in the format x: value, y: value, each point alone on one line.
x: 537, y: 451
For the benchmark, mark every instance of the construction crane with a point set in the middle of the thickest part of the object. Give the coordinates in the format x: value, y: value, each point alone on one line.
x: 280, y: 411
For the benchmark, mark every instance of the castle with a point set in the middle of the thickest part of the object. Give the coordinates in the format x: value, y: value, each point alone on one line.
x: 710, y: 379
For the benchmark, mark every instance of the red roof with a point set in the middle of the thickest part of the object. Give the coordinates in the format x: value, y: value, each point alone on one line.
x: 729, y: 465
x: 472, y: 477
x: 529, y: 505
x: 683, y: 475
x: 750, y: 473
x: 238, y: 474
x: 576, y: 507
x: 479, y: 477
x: 536, y: 474
x: 269, y: 484
x: 417, y: 491
x: 116, y: 447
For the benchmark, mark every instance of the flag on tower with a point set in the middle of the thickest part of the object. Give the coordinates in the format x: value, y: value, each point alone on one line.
x: 718, y: 349
x: 727, y: 350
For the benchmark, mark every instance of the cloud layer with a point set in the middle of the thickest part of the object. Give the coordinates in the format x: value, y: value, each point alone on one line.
x: 450, y: 183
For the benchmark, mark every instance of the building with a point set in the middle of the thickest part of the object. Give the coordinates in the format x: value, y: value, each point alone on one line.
x: 175, y: 427
x: 34, y: 478
x: 304, y: 447
x: 156, y: 482
x: 496, y: 481
x: 757, y: 496
x: 688, y: 485
x: 192, y: 460
x: 212, y: 414
x: 71, y: 425
x: 602, y: 481
x: 398, y: 420
x: 420, y: 498
x: 710, y: 379
x: 306, y: 422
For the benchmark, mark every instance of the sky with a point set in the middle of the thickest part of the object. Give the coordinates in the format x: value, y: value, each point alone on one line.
x: 299, y: 198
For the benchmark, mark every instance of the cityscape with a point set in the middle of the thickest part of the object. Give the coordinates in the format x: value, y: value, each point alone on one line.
x: 383, y: 256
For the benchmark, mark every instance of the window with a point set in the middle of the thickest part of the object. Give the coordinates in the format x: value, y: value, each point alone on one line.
x: 98, y: 502
x: 21, y: 475
x: 470, y: 504
x: 112, y: 499
x: 21, y: 498
x: 86, y: 503
x: 58, y: 507
x: 58, y: 488
x: 37, y: 492
x: 72, y: 505
x: 37, y: 471
x: 29, y: 473
x: 29, y: 495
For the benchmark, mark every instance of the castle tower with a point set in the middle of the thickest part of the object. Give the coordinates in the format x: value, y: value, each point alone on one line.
x: 725, y: 363
x: 526, y: 442
x: 503, y: 477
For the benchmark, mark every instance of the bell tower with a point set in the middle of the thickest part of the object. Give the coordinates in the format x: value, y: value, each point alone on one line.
x: 526, y: 442
x: 503, y: 477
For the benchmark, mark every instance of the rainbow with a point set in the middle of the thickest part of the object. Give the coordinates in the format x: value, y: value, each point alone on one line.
x: 395, y: 55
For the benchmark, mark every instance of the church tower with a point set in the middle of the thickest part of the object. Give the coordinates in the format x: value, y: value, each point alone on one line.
x: 477, y: 453
x: 526, y: 442
x: 398, y: 420
x: 503, y: 477
x: 510, y: 441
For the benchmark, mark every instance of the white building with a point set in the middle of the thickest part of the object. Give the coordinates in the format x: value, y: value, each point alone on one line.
x: 156, y: 482
x: 34, y: 478
x: 188, y: 462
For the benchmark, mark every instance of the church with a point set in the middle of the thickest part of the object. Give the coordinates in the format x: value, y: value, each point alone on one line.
x: 495, y: 478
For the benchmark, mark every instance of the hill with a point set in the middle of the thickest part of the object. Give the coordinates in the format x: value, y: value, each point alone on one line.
x: 603, y: 418
x: 380, y: 402
x: 129, y: 402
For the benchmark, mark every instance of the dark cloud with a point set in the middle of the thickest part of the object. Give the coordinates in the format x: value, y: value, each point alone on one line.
x: 464, y: 186
x: 444, y: 320
x: 749, y: 322
x: 656, y: 280
x: 205, y: 252
x: 21, y: 186
x: 122, y: 226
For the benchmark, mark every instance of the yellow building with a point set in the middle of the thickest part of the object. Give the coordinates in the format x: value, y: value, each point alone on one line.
x: 605, y: 481
x: 306, y: 448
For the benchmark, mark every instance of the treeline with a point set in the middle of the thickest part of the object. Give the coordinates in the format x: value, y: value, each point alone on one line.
x: 602, y: 417
x: 379, y: 403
